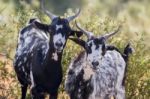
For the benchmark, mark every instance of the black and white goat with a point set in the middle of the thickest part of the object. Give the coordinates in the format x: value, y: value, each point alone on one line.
x: 97, y: 72
x: 39, y: 53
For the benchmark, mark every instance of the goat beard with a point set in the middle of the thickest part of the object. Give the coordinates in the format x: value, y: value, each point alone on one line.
x: 55, y: 56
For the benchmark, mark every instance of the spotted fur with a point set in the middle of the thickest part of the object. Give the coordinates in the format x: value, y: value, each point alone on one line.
x: 38, y: 56
x: 86, y: 80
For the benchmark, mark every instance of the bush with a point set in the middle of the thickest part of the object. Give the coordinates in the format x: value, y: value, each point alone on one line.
x: 134, y: 18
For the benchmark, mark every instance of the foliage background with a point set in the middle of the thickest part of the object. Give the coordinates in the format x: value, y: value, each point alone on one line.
x: 98, y: 16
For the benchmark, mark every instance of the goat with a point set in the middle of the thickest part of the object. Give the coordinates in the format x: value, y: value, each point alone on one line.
x: 97, y: 72
x: 39, y: 53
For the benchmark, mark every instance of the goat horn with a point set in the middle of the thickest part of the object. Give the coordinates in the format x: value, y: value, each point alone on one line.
x: 52, y: 16
x: 108, y: 35
x: 87, y: 33
x: 74, y: 16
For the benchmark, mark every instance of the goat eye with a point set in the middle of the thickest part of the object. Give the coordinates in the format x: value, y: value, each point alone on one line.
x: 96, y: 41
x: 66, y: 22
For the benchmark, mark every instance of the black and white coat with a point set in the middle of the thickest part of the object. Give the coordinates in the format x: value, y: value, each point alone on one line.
x: 39, y: 53
x: 97, y: 72
x: 84, y: 83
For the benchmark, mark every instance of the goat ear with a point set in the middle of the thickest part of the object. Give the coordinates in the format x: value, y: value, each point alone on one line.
x: 41, y: 26
x: 79, y: 42
x: 76, y: 33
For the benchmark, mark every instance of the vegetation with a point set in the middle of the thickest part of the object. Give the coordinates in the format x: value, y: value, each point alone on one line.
x: 98, y: 16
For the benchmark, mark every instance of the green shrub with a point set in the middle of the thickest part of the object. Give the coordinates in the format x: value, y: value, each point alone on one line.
x: 134, y: 18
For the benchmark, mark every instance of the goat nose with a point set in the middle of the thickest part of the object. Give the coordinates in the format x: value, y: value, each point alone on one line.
x: 96, y: 63
x: 59, y: 44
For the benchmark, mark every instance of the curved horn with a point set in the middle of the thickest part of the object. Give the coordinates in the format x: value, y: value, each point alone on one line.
x: 106, y: 36
x: 74, y: 16
x: 87, y: 33
x: 52, y: 16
